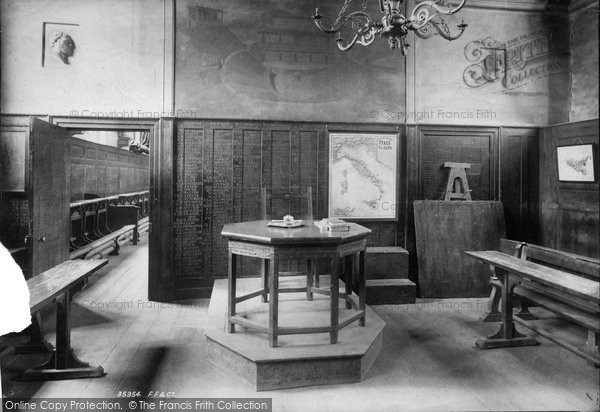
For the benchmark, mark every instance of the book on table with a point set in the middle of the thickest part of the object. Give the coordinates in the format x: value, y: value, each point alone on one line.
x: 333, y: 224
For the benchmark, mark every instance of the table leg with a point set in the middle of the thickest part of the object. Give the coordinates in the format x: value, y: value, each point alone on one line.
x: 362, y: 289
x: 274, y: 302
x: 507, y: 335
x: 335, y: 304
x: 264, y: 275
x: 231, y: 291
x: 349, y: 268
x: 309, y: 279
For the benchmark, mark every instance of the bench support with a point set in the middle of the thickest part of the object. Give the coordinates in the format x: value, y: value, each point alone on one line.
x: 494, y: 314
x: 507, y: 336
x: 63, y: 363
x: 592, y: 346
x: 36, y: 343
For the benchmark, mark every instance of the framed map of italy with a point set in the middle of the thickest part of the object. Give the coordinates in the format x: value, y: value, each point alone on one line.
x: 362, y: 176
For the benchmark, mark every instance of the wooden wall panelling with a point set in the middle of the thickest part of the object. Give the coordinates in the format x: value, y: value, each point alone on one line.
x: 191, y: 225
x: 161, y: 282
x: 478, y: 146
x: 519, y: 182
x: 14, y: 204
x: 569, y: 215
x: 102, y: 170
x: 427, y: 148
x: 219, y: 169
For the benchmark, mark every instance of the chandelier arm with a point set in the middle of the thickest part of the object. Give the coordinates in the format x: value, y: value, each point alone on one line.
x: 367, y: 38
x: 345, y: 47
x: 421, y: 16
x: 443, y: 10
x: 425, y: 32
x: 445, y: 35
x: 361, y: 23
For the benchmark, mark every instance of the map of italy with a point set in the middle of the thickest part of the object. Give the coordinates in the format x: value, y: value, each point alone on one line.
x: 362, y: 176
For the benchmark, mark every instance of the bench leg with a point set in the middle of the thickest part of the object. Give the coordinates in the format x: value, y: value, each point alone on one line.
x: 592, y: 345
x: 507, y: 336
x: 115, y: 252
x: 63, y: 363
x: 37, y: 343
x: 524, y: 312
x: 494, y: 314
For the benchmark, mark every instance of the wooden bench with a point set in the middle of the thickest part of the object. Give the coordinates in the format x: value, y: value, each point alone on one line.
x: 58, y: 285
x: 563, y: 283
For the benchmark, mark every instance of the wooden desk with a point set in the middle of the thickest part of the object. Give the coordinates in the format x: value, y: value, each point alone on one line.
x: 256, y: 239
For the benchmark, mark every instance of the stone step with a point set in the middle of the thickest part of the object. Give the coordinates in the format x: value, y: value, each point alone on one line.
x: 390, y: 291
x: 386, y: 263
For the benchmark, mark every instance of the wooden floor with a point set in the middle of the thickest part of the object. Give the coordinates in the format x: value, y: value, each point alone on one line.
x: 428, y: 361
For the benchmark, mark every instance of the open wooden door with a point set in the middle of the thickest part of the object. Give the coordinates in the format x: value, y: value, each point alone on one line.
x: 48, y: 238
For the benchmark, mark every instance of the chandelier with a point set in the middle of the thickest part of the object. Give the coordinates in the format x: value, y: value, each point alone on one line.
x: 425, y: 21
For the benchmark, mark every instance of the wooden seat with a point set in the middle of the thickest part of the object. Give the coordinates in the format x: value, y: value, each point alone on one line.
x: 276, y: 205
x: 57, y: 285
x: 562, y: 283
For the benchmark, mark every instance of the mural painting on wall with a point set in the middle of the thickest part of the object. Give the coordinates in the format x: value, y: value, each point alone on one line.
x: 516, y: 62
x: 266, y: 59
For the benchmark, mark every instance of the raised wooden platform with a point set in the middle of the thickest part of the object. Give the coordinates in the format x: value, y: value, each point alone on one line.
x: 300, y: 360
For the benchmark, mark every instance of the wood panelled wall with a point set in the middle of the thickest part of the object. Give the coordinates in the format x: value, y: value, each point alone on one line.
x: 503, y: 167
x: 219, y: 167
x: 219, y: 170
x: 102, y: 170
x: 569, y: 211
x: 14, y: 204
x: 94, y: 169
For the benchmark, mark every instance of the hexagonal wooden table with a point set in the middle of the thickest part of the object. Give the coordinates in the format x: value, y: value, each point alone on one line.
x: 271, y: 244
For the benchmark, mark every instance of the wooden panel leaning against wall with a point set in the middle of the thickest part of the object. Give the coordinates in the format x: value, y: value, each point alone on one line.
x: 504, y: 166
x: 569, y: 217
x: 428, y: 148
x: 220, y: 167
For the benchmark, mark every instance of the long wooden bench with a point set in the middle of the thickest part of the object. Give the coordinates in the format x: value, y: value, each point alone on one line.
x: 563, y: 283
x: 58, y: 285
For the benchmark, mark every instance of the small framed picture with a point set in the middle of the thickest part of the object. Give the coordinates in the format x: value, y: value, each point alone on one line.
x: 59, y: 44
x: 577, y: 163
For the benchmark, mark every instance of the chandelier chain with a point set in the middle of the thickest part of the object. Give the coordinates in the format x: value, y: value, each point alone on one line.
x: 342, y: 12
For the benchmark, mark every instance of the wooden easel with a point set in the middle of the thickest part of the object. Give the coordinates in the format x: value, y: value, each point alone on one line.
x: 457, y: 187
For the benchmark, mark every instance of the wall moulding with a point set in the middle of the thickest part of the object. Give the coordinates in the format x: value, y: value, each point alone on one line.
x: 515, y: 5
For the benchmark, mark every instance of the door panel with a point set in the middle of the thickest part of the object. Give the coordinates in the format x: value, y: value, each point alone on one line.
x: 48, y: 191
